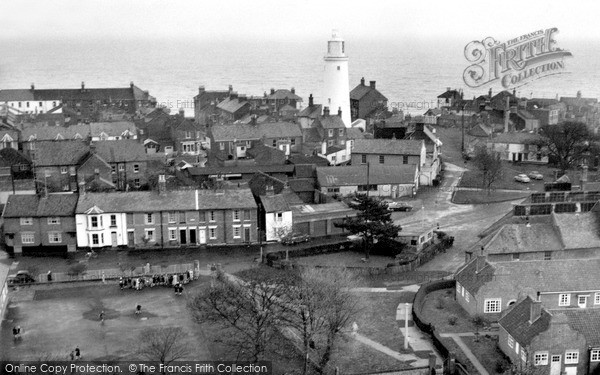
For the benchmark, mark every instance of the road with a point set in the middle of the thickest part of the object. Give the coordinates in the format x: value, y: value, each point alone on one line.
x: 433, y: 207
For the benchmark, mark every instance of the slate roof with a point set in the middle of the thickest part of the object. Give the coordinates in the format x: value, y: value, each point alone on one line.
x: 230, y: 132
x: 578, y: 230
x: 245, y: 169
x: 516, y: 322
x: 355, y: 133
x: 308, y: 159
x: 472, y: 280
x: 313, y: 111
x: 122, y: 150
x: 307, y: 212
x: 331, y: 122
x: 361, y: 90
x: 60, y: 153
x: 480, y: 130
x: 283, y: 94
x: 357, y: 175
x: 518, y: 238
x: 51, y: 133
x: 232, y: 105
x: 388, y: 146
x: 150, y: 201
x: 586, y: 322
x: 516, y: 138
x: 302, y: 184
x: 274, y: 203
x: 449, y: 94
x: 36, y: 206
x: 114, y: 129
x: 114, y: 94
x: 9, y: 156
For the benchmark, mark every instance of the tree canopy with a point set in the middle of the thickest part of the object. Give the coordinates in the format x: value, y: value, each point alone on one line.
x: 568, y: 143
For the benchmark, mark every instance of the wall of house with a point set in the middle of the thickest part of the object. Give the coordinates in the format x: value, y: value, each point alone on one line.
x: 56, y: 181
x: 88, y: 169
x: 35, y: 107
x: 275, y: 229
x: 373, y: 159
x: 541, y: 255
x: 558, y: 339
x: 104, y: 230
x: 41, y: 229
x: 124, y: 174
x: 551, y: 300
x: 466, y: 300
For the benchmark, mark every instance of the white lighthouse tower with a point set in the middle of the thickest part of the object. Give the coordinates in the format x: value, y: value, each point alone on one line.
x: 336, y: 90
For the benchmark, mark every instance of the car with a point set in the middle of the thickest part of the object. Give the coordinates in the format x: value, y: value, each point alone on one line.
x: 522, y: 178
x: 295, y: 238
x: 21, y: 277
x: 399, y: 206
x: 535, y: 175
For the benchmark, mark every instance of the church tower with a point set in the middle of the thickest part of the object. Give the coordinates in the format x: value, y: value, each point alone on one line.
x: 336, y: 90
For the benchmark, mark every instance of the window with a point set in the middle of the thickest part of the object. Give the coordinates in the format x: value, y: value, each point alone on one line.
x: 172, y: 234
x: 571, y: 357
x: 381, y: 159
x: 248, y: 143
x: 511, y: 342
x: 149, y: 235
x: 341, y: 132
x: 27, y: 237
x: 516, y: 256
x: 467, y: 296
x: 597, y: 298
x: 582, y: 301
x: 330, y: 133
x: 211, y: 216
x: 493, y: 306
x: 47, y: 173
x: 41, y: 104
x: 338, y: 67
x: 113, y: 220
x: 279, y: 216
x: 95, y: 239
x: 333, y: 190
x: 212, y: 233
x: 188, y: 135
x: 19, y: 104
x: 564, y: 300
x: 54, y: 237
x: 523, y: 356
x: 63, y: 170
x: 94, y: 221
x: 53, y: 104
x: 222, y: 146
x: 53, y: 220
x: 113, y: 169
x: 171, y: 217
x: 595, y: 355
x: 404, y: 159
x: 293, y: 142
x: 26, y: 221
x: 274, y: 143
x: 65, y: 187
x: 540, y: 358
x: 136, y: 168
x: 363, y: 159
x: 237, y: 232
x: 121, y: 167
x: 342, y: 142
x: 182, y: 217
x: 149, y: 218
x: 547, y: 255
x: 330, y: 142
x: 236, y: 215
x: 137, y: 183
x: 72, y: 171
x: 458, y: 287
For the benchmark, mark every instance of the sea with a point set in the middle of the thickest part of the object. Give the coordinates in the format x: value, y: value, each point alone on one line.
x: 410, y: 72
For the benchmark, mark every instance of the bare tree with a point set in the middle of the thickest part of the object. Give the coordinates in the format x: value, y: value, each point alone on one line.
x: 489, y: 163
x: 163, y: 344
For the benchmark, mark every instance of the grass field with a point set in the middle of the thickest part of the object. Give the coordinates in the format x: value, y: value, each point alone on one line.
x: 482, y: 197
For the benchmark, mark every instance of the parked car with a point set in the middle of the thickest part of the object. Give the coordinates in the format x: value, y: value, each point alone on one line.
x: 535, y: 175
x: 399, y: 206
x: 522, y: 178
x: 21, y: 277
x: 294, y: 238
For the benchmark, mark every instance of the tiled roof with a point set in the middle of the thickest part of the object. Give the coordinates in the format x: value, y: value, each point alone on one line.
x: 121, y: 150
x: 16, y: 95
x: 314, y: 211
x: 361, y: 90
x: 265, y: 155
x: 578, y: 230
x: 313, y: 111
x: 144, y: 201
x: 283, y: 94
x: 245, y: 169
x: 254, y: 132
x: 55, y: 153
x: 113, y: 94
x: 520, y: 238
x: 480, y: 130
x: 302, y: 184
x: 115, y: 129
x: 449, y: 94
x: 35, y: 206
x: 310, y: 159
x: 331, y: 122
x: 9, y: 156
x: 586, y: 322
x: 472, y: 280
x: 274, y: 203
x: 357, y: 175
x: 52, y: 133
x: 355, y: 133
x: 232, y: 105
x: 516, y: 138
x: 388, y: 146
x: 517, y: 322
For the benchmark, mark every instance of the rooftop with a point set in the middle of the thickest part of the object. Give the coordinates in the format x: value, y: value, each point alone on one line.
x: 121, y: 150
x: 517, y: 322
x: 578, y: 230
x: 388, y: 146
x: 516, y: 138
x: 518, y: 238
x: 60, y: 153
x: 357, y: 175
x: 274, y: 203
x: 230, y: 132
x: 36, y: 206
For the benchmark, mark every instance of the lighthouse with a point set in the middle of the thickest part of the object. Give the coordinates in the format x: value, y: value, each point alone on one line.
x: 336, y: 90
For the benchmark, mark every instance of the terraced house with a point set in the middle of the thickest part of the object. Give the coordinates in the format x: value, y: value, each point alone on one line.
x: 166, y: 218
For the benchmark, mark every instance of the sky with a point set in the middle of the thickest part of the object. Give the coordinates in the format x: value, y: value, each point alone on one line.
x: 296, y: 20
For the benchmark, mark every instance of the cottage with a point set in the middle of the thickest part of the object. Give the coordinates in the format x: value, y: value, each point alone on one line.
x: 518, y: 147
x: 318, y: 220
x: 277, y: 216
x: 365, y: 101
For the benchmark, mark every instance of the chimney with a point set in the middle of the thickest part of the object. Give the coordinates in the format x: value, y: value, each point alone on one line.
x: 310, y: 100
x: 131, y: 84
x: 372, y: 84
x: 535, y: 311
x: 272, y: 91
x: 490, y: 93
x: 293, y: 90
x: 480, y: 263
x: 461, y: 93
x: 82, y: 187
x: 201, y: 89
x: 230, y: 89
x: 253, y: 120
x: 339, y: 111
x: 362, y: 81
x: 324, y: 148
x: 448, y: 88
x: 325, y: 111
x: 162, y: 184
x: 82, y: 86
x: 32, y: 87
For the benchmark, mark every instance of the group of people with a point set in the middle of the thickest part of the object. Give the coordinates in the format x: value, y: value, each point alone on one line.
x: 175, y: 280
x: 75, y: 354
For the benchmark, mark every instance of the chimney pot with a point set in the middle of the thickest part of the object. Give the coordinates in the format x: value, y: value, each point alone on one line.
x: 448, y: 88
x: 490, y: 92
x: 340, y: 111
x: 372, y: 84
x: 481, y: 263
x: 230, y: 89
x: 535, y: 311
x: 201, y: 89
x: 362, y: 81
x: 293, y: 90
x: 326, y: 111
x: 32, y: 87
x: 131, y: 84
x: 82, y: 85
x: 272, y: 91
x: 162, y: 184
x: 310, y: 100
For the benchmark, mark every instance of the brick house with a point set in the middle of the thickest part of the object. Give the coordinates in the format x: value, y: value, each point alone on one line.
x: 489, y: 289
x: 55, y: 163
x: 366, y: 100
x: 233, y: 108
x: 551, y: 341
x: 308, y: 115
x: 128, y: 161
x: 448, y: 98
x: 278, y: 99
x: 166, y: 218
x: 34, y: 224
x: 187, y: 136
x: 389, y: 152
x: 205, y: 104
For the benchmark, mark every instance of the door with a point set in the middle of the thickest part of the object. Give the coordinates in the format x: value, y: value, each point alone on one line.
x: 247, y: 234
x: 193, y: 236
x: 572, y: 370
x: 130, y: 240
x: 202, y: 236
x: 555, y: 365
x: 113, y: 239
x: 182, y: 236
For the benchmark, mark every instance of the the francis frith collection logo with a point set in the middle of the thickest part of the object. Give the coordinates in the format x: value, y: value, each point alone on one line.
x: 516, y: 62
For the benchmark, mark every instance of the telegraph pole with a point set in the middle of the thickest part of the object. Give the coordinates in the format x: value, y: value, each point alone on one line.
x: 462, y: 147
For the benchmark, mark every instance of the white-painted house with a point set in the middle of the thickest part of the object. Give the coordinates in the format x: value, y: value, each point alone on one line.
x: 277, y: 216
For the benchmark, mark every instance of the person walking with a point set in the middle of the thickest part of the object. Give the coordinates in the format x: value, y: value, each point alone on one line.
x: 102, y: 316
x: 77, y: 353
x: 72, y: 355
x: 138, y: 309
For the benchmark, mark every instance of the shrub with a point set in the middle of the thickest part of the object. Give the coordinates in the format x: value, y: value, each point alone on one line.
x: 388, y: 247
x: 439, y: 303
x: 500, y: 366
x: 77, y: 269
x: 452, y: 319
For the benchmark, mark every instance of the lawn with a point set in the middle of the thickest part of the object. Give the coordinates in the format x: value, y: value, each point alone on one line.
x: 439, y: 306
x: 487, y: 352
x: 480, y: 197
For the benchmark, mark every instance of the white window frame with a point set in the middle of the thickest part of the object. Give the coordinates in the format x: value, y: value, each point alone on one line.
x: 467, y: 298
x: 97, y: 236
x: 571, y: 357
x: 212, y: 233
x: 584, y: 303
x: 222, y: 146
x: 211, y: 215
x: 564, y: 299
x: 489, y: 302
x: 597, y: 298
x: 149, y: 218
x: 54, y: 237
x: 330, y: 133
x: 53, y: 220
x: 136, y: 168
x: 172, y: 234
x: 113, y: 216
x: 26, y: 221
x: 150, y: 234
x: 64, y: 170
x: 121, y: 167
x: 97, y: 221
x: 27, y: 237
x: 238, y: 229
x: 540, y: 358
x: 172, y: 217
x: 510, y: 341
x: 595, y: 355
x: 523, y: 355
x: 278, y: 216
x: 236, y: 215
